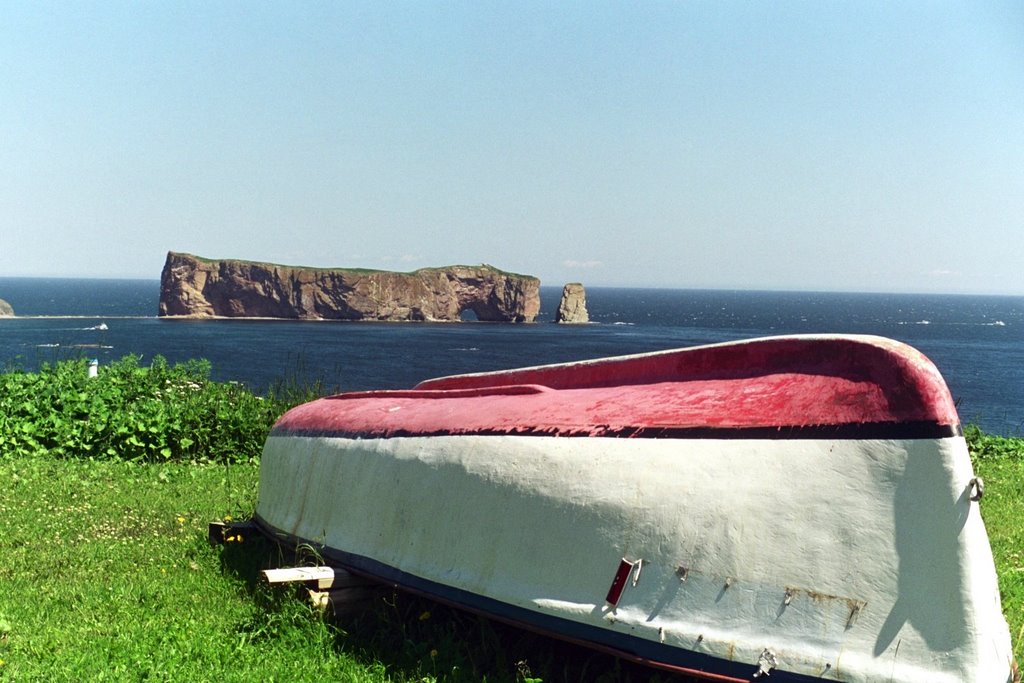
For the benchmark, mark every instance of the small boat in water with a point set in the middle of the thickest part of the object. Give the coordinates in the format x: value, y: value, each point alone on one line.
x: 800, y: 508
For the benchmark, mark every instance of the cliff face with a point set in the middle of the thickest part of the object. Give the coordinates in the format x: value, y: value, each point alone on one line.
x: 573, y: 306
x: 201, y: 288
x: 5, y: 309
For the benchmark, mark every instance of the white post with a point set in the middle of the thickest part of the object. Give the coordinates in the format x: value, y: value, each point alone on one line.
x: 94, y: 367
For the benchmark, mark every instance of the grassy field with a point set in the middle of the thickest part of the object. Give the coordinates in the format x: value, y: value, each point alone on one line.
x: 1000, y: 462
x: 106, y: 574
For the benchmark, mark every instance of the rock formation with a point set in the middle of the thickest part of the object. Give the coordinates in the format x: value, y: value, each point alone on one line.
x: 5, y: 309
x: 195, y: 287
x: 573, y: 306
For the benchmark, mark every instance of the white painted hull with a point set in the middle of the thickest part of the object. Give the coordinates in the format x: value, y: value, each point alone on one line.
x: 847, y: 559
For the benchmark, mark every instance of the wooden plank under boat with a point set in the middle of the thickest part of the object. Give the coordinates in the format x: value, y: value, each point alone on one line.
x: 802, y: 507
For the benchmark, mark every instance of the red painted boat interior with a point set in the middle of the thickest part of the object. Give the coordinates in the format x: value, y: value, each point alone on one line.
x: 785, y: 382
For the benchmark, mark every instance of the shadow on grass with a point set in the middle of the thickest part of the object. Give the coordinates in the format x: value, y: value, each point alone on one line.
x: 413, y: 637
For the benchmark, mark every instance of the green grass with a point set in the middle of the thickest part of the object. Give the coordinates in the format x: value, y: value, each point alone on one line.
x: 1000, y: 462
x: 105, y: 572
x: 107, y: 576
x: 106, y: 489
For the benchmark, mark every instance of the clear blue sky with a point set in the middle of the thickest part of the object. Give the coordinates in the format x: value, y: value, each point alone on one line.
x: 865, y: 146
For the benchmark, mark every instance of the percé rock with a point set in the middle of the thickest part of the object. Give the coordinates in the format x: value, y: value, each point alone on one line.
x: 196, y: 287
x: 5, y: 310
x: 573, y: 306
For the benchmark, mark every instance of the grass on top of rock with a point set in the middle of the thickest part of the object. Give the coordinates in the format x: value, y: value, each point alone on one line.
x: 107, y: 575
x: 357, y: 271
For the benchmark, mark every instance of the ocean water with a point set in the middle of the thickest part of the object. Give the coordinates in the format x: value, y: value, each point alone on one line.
x: 977, y: 342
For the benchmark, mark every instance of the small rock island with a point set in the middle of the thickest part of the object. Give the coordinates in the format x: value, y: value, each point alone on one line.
x: 5, y: 310
x: 572, y: 309
x: 196, y: 287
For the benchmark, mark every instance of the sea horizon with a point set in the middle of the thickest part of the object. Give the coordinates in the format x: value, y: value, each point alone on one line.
x: 673, y: 288
x: 975, y: 340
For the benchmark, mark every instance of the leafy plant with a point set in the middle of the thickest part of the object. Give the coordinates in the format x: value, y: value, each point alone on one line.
x: 130, y: 412
x: 982, y: 445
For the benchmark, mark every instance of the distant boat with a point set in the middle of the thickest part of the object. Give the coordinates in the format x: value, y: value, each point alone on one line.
x: 795, y: 507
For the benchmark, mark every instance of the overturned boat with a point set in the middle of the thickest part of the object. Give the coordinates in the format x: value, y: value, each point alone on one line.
x: 799, y: 507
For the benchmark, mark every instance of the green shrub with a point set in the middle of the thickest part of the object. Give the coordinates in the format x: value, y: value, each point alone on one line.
x: 154, y: 413
x: 982, y: 445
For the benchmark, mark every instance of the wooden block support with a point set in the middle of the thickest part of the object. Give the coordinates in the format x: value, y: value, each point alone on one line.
x: 322, y: 577
x: 316, y: 578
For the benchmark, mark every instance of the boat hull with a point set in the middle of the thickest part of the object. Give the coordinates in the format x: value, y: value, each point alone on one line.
x: 853, y: 558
